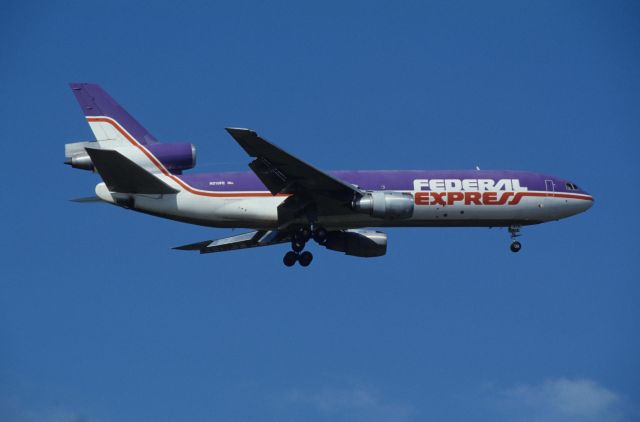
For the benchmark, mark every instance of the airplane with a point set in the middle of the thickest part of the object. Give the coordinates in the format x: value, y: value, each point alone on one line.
x: 286, y: 200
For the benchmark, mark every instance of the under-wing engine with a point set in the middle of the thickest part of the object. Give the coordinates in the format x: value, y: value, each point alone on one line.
x: 362, y: 243
x: 387, y: 205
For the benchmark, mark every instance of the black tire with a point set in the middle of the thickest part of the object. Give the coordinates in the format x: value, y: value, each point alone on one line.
x: 290, y: 258
x: 515, y: 246
x: 305, y: 258
x: 320, y: 236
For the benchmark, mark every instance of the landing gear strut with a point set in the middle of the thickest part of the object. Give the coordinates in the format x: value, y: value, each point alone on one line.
x: 299, y: 239
x: 297, y: 246
x: 514, y: 231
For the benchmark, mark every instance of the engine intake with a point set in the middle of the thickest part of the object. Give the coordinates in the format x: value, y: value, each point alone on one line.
x: 362, y: 243
x: 387, y: 205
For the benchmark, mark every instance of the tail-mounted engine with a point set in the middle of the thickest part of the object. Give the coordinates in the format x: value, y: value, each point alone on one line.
x: 387, y: 205
x: 175, y: 157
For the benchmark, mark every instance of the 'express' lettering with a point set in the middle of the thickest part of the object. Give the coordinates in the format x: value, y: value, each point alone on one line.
x: 467, y: 198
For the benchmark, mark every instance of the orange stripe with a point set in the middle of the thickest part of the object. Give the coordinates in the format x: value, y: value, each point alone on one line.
x: 560, y: 195
x: 164, y: 171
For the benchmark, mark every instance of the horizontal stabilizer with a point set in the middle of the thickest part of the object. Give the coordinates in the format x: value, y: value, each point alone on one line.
x: 241, y: 241
x: 87, y: 200
x: 123, y: 175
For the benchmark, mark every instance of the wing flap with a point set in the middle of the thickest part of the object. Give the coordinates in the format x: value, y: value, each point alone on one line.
x: 281, y: 172
x: 242, y: 241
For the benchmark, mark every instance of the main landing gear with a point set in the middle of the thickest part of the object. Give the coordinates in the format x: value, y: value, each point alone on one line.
x: 303, y: 258
x: 298, y: 241
x: 514, y: 231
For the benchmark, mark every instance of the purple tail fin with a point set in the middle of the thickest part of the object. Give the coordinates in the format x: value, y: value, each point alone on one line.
x: 95, y: 102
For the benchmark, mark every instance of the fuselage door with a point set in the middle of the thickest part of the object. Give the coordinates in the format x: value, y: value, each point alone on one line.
x: 550, y: 187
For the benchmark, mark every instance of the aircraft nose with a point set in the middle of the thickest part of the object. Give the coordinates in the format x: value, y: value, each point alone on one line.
x: 587, y: 202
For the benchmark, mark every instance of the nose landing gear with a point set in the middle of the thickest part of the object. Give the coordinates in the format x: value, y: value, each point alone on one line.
x: 514, y: 231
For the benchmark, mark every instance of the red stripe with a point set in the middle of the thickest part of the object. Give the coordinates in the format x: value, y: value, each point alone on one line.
x: 164, y: 171
x: 560, y: 195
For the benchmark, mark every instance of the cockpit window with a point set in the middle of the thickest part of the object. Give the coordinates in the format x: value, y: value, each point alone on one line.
x: 571, y: 186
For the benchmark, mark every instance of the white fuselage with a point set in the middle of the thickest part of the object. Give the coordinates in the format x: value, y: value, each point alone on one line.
x: 261, y: 212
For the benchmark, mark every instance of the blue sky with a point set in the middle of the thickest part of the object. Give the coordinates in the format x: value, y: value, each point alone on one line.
x: 101, y: 321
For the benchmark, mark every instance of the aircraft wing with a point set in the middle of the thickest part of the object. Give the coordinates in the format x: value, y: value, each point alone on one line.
x: 242, y: 241
x: 281, y: 172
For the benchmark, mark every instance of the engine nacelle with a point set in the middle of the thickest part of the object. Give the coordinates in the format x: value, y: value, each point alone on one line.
x: 362, y: 243
x: 175, y: 157
x: 76, y: 156
x: 387, y: 205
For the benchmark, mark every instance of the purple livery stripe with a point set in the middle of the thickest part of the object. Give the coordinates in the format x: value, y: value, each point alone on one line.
x: 247, y: 184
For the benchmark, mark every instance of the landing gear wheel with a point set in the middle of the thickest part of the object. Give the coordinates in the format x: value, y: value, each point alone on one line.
x: 305, y: 258
x: 290, y: 258
x: 297, y: 246
x: 514, y: 231
x: 320, y: 236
